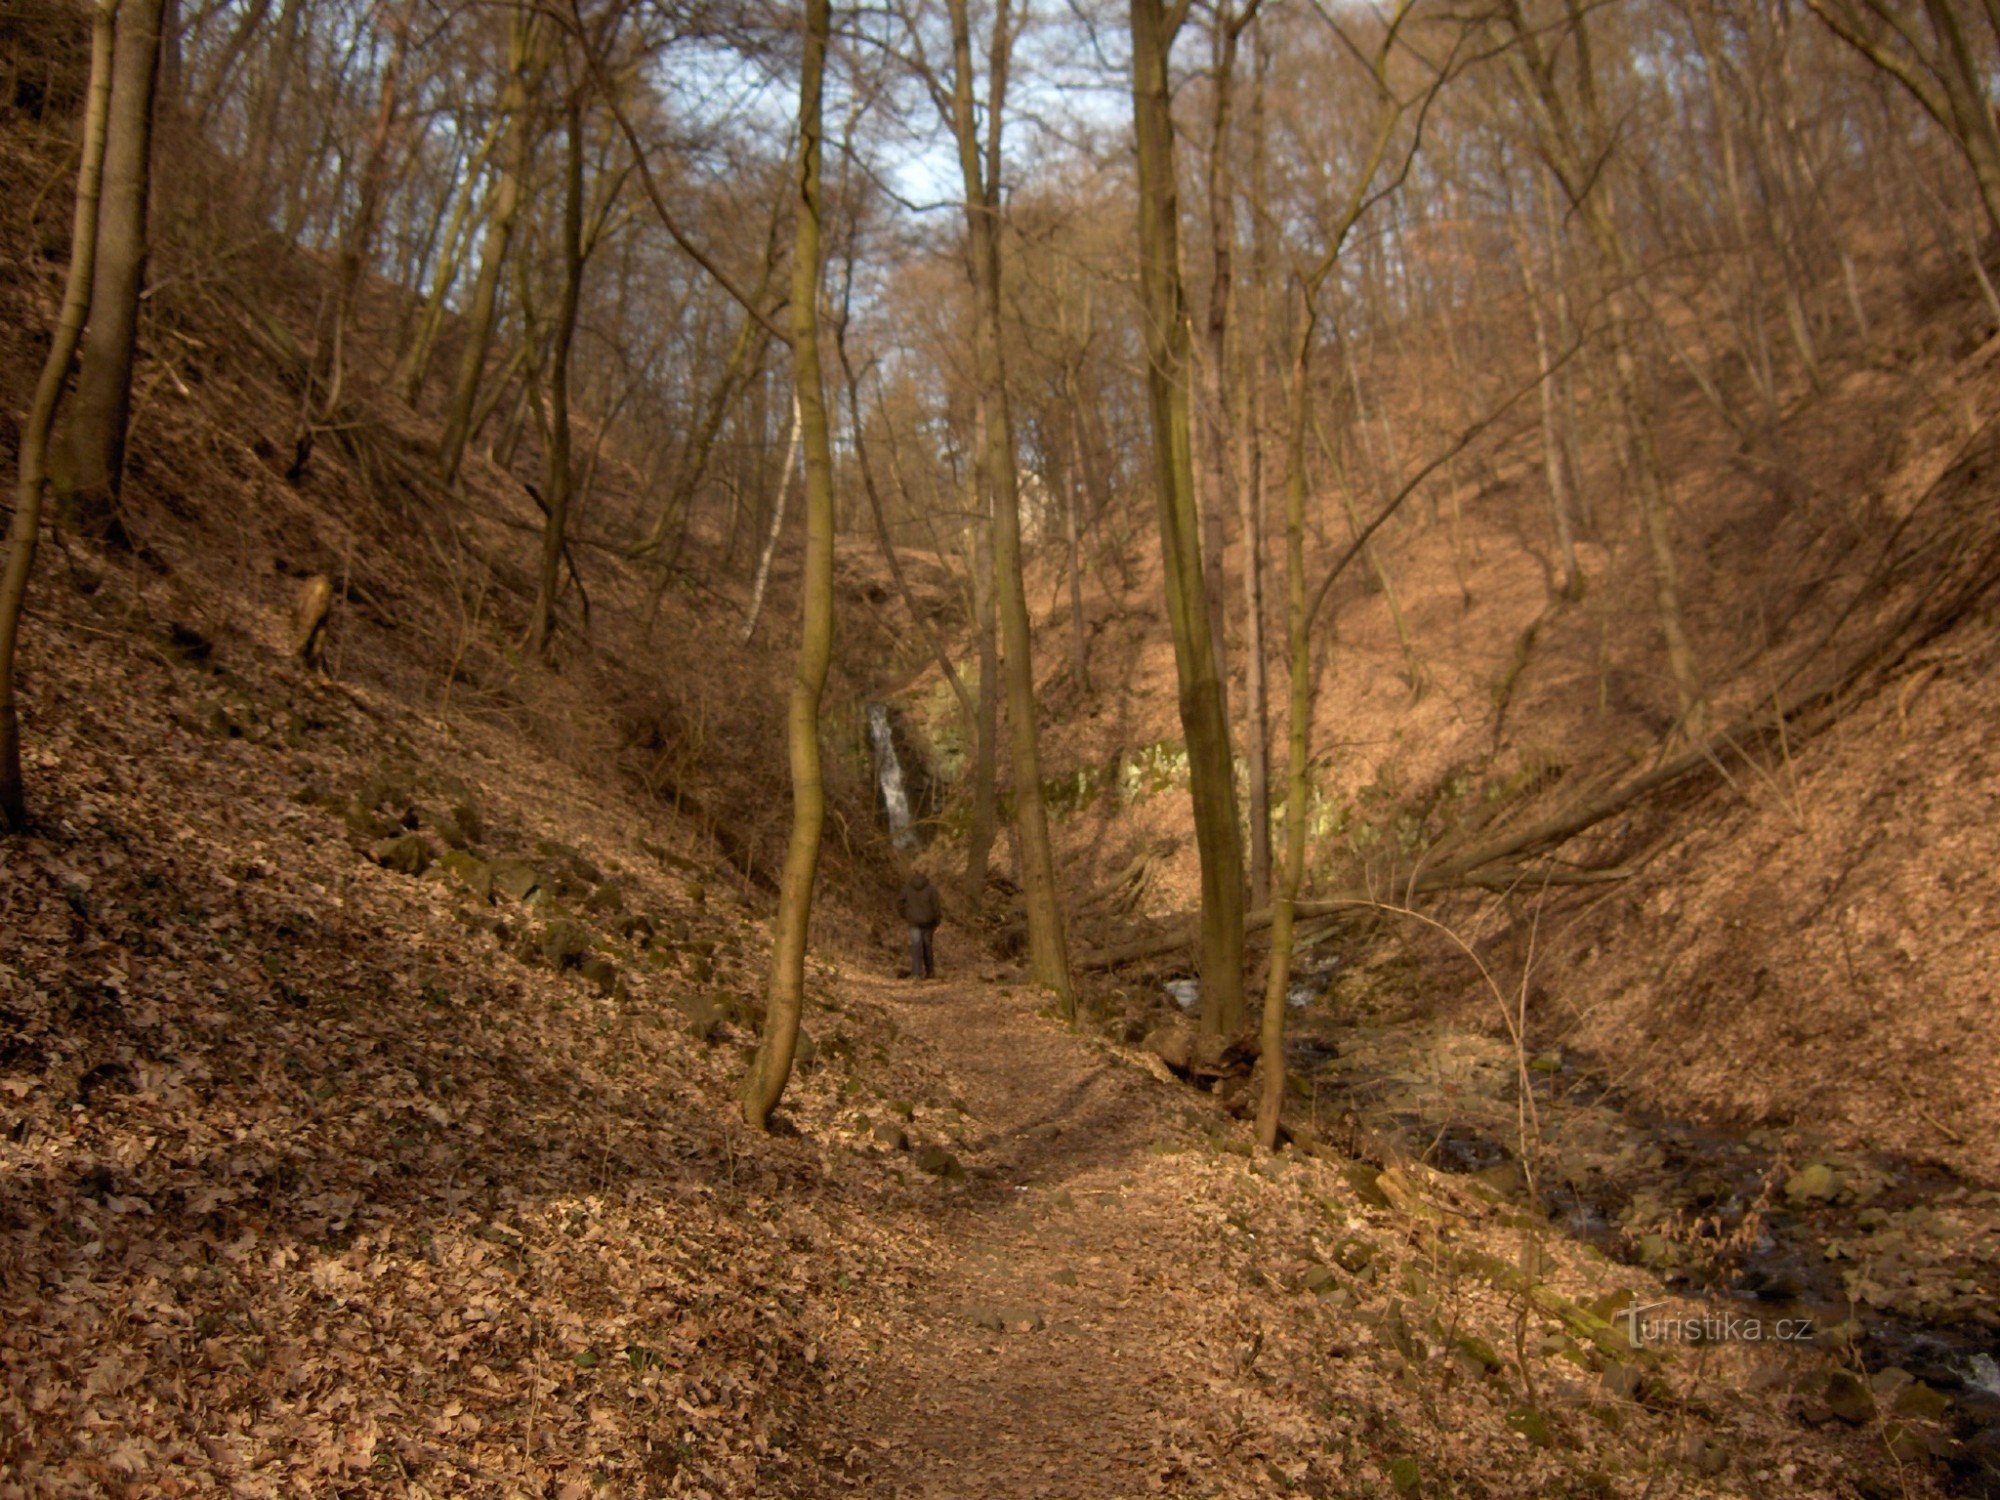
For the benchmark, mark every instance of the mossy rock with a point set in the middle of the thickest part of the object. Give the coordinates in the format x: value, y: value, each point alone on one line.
x: 600, y: 971
x: 1480, y: 1353
x: 516, y: 879
x: 563, y: 944
x: 1849, y: 1397
x: 1815, y: 1182
x: 1366, y: 1182
x: 939, y: 1162
x: 364, y: 822
x: 407, y: 854
x: 634, y: 927
x: 605, y: 900
x: 1405, y: 1477
x: 889, y: 1134
x: 469, y: 871
x: 568, y: 860
x: 1319, y: 1279
x: 1531, y: 1424
x: 1354, y: 1256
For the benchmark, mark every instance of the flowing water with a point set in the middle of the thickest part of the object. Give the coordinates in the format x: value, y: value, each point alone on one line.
x: 889, y: 777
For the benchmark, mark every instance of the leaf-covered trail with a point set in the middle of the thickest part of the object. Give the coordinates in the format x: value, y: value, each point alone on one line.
x: 1066, y: 1340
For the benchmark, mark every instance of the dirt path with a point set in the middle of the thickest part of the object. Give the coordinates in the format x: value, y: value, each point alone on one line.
x: 1051, y: 1353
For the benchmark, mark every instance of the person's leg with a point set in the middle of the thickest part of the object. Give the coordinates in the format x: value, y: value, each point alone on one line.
x: 916, y: 953
x: 930, y: 954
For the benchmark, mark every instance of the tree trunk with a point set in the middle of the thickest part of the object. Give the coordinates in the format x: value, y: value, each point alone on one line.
x: 523, y: 48
x: 986, y: 741
x: 1206, y: 726
x: 786, y: 995
x: 91, y: 463
x: 24, y: 531
x: 1250, y: 497
x: 1048, y: 958
x: 561, y: 478
x: 777, y: 523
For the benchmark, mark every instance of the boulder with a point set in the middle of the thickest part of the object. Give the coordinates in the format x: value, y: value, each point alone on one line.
x: 635, y: 927
x: 606, y: 899
x: 888, y: 1133
x: 600, y: 971
x: 563, y: 944
x: 1849, y: 1397
x: 1812, y: 1183
x: 1531, y: 1425
x: 1172, y: 1043
x: 939, y: 1162
x: 407, y: 854
x: 469, y: 871
x: 516, y: 879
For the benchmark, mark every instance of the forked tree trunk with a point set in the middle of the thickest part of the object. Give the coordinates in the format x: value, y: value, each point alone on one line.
x: 91, y: 461
x: 1203, y: 721
x: 25, y: 530
x: 785, y: 998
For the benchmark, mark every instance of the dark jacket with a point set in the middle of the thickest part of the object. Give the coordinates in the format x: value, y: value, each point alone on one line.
x: 919, y: 903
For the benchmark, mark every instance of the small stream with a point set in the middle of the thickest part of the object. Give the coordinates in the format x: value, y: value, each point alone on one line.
x: 1900, y: 1257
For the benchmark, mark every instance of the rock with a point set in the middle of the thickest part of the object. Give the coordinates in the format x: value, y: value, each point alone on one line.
x: 1813, y: 1183
x: 516, y: 879
x: 1063, y: 1277
x: 1503, y: 1178
x: 1354, y: 1256
x: 1318, y: 1279
x: 1366, y: 1182
x: 1620, y: 1382
x: 1921, y: 1402
x: 1006, y: 1319
x: 636, y: 927
x: 888, y: 1133
x: 563, y: 944
x: 903, y: 1108
x: 704, y: 1018
x: 469, y: 871
x: 806, y: 1051
x: 1172, y: 1043
x: 600, y: 971
x: 1479, y: 1353
x: 408, y: 854
x: 1703, y: 1456
x: 1531, y: 1425
x: 1546, y: 1062
x: 1849, y: 1398
x: 1657, y: 1252
x: 607, y: 898
x: 697, y: 892
x: 1402, y: 1196
x: 1405, y: 1478
x: 570, y: 861
x: 939, y: 1162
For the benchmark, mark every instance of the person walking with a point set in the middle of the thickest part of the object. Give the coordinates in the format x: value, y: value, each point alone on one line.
x: 922, y: 909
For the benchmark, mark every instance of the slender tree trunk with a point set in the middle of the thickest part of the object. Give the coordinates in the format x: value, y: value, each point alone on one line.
x: 523, y: 48
x: 777, y: 523
x: 91, y: 460
x: 24, y: 531
x: 1048, y: 957
x: 1249, y: 437
x: 1291, y: 875
x: 415, y: 361
x: 986, y: 741
x: 1073, y: 538
x: 561, y: 478
x: 1203, y: 720
x: 785, y: 998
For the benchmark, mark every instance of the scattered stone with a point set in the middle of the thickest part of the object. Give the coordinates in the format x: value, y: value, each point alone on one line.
x: 1531, y: 1425
x: 516, y: 879
x: 1354, y: 1256
x: 1620, y: 1382
x: 888, y: 1133
x: 1813, y: 1183
x: 1172, y: 1043
x: 939, y: 1162
x: 563, y: 944
x: 606, y: 899
x: 1849, y: 1397
x: 1480, y: 1353
x: 1703, y: 1456
x: 408, y: 854
x: 469, y: 871
x: 635, y: 927
x: 1319, y: 1279
x: 1366, y: 1182
x: 1921, y: 1402
x: 600, y: 971
x: 1405, y: 1477
x: 1006, y: 1319
x: 903, y: 1108
x: 1063, y: 1277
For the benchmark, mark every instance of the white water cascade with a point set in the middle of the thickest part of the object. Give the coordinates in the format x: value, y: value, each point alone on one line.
x: 889, y: 776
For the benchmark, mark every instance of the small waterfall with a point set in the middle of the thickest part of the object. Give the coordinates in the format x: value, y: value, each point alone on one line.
x: 889, y: 776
